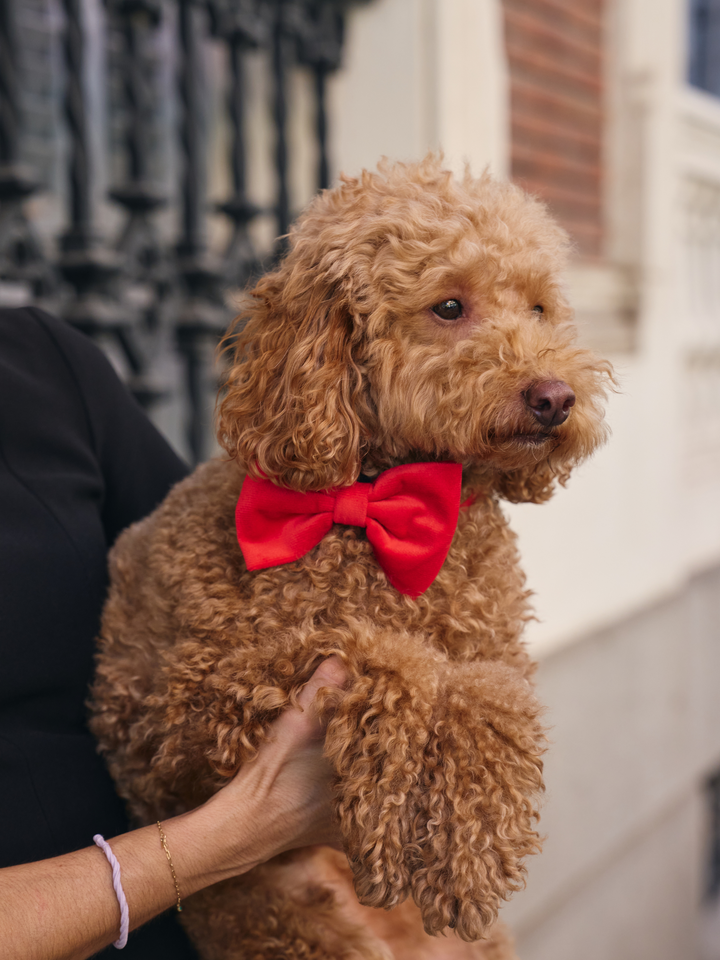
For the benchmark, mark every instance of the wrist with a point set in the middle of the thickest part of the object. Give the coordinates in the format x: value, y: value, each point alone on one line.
x: 214, y: 842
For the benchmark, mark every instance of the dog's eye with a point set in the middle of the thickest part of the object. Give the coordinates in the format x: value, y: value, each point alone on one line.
x: 448, y: 309
x: 538, y: 308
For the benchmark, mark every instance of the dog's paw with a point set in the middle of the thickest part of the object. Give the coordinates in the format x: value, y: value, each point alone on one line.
x: 438, y: 774
x: 482, y: 776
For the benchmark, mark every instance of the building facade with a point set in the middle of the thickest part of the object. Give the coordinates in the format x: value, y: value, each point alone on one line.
x: 588, y: 104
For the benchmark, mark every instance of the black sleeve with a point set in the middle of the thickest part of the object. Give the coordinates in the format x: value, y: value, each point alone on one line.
x: 137, y: 463
x: 78, y: 462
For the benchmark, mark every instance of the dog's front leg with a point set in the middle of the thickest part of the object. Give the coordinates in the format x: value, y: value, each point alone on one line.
x: 482, y: 782
x: 438, y: 775
x: 377, y: 739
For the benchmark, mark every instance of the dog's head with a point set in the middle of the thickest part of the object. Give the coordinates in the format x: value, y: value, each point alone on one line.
x: 415, y: 317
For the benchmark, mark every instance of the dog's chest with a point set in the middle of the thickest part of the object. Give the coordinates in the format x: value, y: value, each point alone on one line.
x: 340, y: 582
x: 473, y: 609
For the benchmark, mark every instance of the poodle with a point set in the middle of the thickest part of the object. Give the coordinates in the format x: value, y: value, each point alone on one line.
x: 416, y: 329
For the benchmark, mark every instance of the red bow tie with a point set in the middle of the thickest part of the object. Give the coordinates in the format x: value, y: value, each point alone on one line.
x: 410, y: 513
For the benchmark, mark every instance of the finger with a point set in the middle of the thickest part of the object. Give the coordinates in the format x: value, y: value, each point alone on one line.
x: 299, y: 725
x: 330, y: 673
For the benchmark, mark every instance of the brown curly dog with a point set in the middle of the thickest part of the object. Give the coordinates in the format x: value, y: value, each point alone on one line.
x: 415, y: 318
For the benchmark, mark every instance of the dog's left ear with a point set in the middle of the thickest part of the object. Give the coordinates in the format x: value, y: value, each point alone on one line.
x: 290, y: 409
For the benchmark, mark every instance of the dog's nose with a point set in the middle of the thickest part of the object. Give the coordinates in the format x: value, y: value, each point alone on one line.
x: 550, y: 401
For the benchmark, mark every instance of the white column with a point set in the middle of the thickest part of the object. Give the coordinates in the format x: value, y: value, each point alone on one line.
x: 472, y: 101
x: 422, y: 75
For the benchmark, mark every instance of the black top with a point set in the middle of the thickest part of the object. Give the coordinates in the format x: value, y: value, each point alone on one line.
x: 79, y: 461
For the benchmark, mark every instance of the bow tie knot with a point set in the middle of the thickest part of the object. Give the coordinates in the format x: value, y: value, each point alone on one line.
x: 351, y: 504
x: 410, y: 514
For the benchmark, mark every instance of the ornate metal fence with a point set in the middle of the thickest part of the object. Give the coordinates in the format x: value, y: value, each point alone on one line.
x: 118, y: 120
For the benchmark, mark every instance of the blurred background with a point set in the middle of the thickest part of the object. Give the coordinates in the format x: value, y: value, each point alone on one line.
x: 152, y: 152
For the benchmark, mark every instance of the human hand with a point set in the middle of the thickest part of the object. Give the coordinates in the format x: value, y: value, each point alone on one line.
x: 66, y: 907
x: 282, y: 799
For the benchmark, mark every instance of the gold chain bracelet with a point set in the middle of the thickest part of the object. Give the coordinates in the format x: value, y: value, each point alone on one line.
x: 163, y: 842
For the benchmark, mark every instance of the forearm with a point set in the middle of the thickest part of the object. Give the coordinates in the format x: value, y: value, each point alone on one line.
x: 65, y: 908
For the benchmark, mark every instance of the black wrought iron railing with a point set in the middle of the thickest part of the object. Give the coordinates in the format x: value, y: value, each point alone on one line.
x: 116, y: 231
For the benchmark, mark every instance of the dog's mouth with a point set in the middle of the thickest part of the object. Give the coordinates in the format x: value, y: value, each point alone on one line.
x: 527, y: 445
x: 533, y: 439
x: 524, y: 438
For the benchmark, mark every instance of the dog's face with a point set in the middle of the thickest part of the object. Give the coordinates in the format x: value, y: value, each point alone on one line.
x: 416, y: 317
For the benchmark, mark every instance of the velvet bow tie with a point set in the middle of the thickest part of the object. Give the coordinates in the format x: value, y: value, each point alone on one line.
x: 410, y: 514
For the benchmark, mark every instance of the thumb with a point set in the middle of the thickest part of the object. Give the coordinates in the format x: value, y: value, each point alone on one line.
x: 299, y: 725
x: 330, y: 676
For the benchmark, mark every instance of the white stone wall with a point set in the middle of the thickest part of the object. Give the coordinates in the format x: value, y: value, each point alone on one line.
x: 634, y: 717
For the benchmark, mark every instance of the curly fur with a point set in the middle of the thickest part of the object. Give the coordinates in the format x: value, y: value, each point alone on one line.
x: 341, y: 366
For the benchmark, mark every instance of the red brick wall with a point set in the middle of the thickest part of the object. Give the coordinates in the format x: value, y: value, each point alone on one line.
x: 555, y: 56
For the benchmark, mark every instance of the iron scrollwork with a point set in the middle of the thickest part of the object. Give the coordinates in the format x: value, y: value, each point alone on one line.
x: 21, y: 256
x: 158, y: 284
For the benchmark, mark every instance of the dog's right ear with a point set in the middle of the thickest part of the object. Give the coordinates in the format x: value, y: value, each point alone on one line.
x: 289, y: 410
